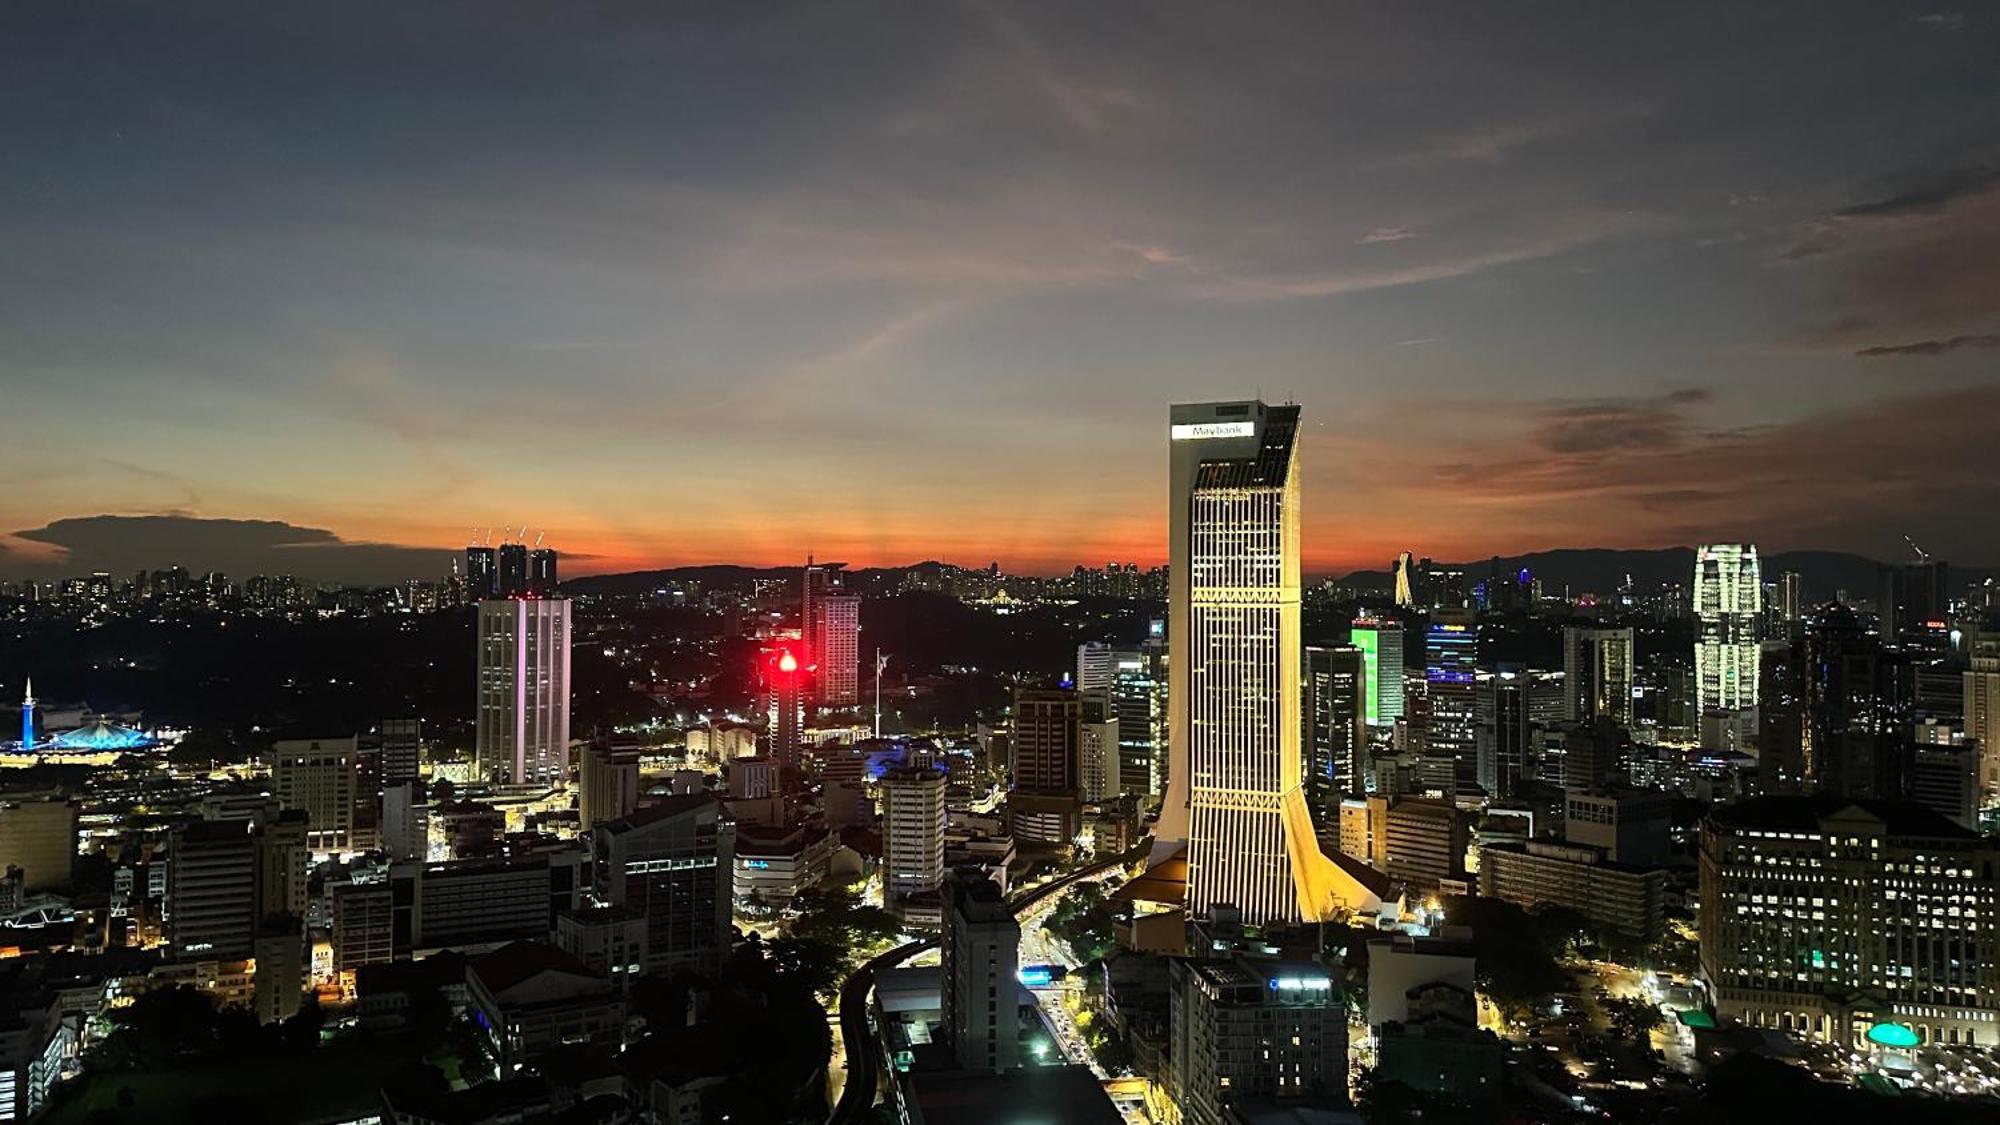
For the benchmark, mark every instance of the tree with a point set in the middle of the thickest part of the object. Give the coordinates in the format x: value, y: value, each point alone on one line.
x: 1633, y: 1017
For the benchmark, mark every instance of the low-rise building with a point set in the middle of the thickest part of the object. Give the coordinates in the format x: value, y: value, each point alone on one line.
x: 1629, y: 900
x: 530, y: 998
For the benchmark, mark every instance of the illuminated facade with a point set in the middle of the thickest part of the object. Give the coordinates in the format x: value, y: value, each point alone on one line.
x: 1450, y: 762
x: 836, y: 652
x: 1728, y: 596
x: 1235, y: 787
x: 523, y: 704
x: 1381, y: 645
x: 1829, y: 918
x: 784, y: 704
x: 1597, y: 675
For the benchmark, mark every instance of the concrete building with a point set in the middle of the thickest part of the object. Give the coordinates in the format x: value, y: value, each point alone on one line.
x: 1629, y: 900
x: 1449, y: 762
x: 1424, y: 842
x: 1098, y: 745
x: 1824, y: 917
x: 38, y: 835
x: 402, y: 750
x: 1629, y: 826
x: 1046, y: 799
x: 981, y: 954
x: 406, y: 822
x: 1982, y: 712
x: 522, y: 705
x: 1401, y: 964
x: 481, y: 903
x: 363, y: 925
x: 1381, y: 645
x: 836, y: 639
x: 1945, y: 779
x: 913, y: 824
x: 1254, y: 1028
x: 774, y: 864
x: 609, y: 940
x: 532, y: 998
x: 225, y: 877
x: 671, y: 861
x: 316, y: 776
x: 607, y: 786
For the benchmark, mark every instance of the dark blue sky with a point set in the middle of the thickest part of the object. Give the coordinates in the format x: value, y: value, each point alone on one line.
x: 690, y: 282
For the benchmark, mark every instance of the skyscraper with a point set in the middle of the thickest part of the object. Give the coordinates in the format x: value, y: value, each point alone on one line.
x: 1235, y: 788
x: 482, y: 573
x: 1405, y: 593
x: 1335, y: 732
x: 1450, y: 762
x: 523, y: 704
x: 316, y: 775
x: 785, y: 684
x: 1045, y: 803
x: 541, y: 580
x: 608, y: 784
x: 836, y: 652
x: 1381, y: 645
x: 514, y: 569
x: 402, y: 750
x: 913, y: 821
x: 1597, y: 675
x: 1728, y: 595
x: 1982, y: 711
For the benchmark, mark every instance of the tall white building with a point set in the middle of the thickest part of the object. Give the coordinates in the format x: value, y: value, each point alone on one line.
x: 1235, y: 791
x: 913, y: 820
x: 523, y: 706
x: 317, y: 775
x: 1728, y: 596
x: 1982, y: 712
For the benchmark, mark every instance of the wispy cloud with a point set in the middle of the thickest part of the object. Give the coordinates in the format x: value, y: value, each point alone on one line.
x: 1934, y: 347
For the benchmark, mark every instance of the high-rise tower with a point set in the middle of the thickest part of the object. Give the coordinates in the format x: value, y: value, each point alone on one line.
x: 523, y: 703
x: 1235, y: 789
x: 1728, y: 596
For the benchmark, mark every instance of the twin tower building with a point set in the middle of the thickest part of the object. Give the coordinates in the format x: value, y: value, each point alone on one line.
x: 1236, y: 799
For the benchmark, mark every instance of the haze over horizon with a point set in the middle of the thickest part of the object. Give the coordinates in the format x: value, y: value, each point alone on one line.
x: 897, y: 283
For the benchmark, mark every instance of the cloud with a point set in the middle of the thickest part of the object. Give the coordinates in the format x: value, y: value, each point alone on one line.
x: 1648, y: 471
x: 1387, y: 234
x: 1927, y: 199
x: 123, y: 545
x: 1606, y: 425
x: 1933, y: 347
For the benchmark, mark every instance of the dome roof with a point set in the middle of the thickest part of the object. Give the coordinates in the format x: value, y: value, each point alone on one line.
x: 102, y: 735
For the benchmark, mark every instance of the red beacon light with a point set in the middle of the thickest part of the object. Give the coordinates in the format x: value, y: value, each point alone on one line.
x: 787, y: 662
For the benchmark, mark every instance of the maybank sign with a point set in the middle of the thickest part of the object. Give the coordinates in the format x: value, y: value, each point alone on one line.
x: 1200, y: 430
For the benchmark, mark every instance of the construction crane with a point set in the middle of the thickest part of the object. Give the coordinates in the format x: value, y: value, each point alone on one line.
x: 1923, y: 556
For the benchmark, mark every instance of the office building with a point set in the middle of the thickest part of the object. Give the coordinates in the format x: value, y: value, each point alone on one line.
x: 38, y: 835
x: 1135, y: 677
x: 406, y: 821
x: 1097, y: 745
x: 913, y: 824
x: 541, y: 580
x: 1336, y: 731
x: 1449, y: 764
x: 774, y: 863
x: 1252, y: 1029
x: 1910, y: 595
x: 1504, y: 731
x: 787, y: 679
x: 1400, y: 965
x: 836, y: 653
x: 317, y: 776
x: 1381, y: 645
x: 609, y: 940
x: 524, y: 687
x: 1982, y: 711
x: 226, y: 877
x: 1944, y: 778
x: 815, y: 583
x: 1045, y: 802
x: 363, y: 925
x: 981, y: 944
x: 1627, y: 899
x: 671, y: 861
x: 1825, y: 917
x: 479, y: 903
x: 1424, y: 842
x: 1096, y: 662
x: 607, y: 785
x: 1792, y: 601
x: 1858, y: 700
x: 280, y: 983
x: 1597, y: 675
x: 402, y: 750
x: 513, y: 564
x: 1728, y: 596
x: 1236, y: 790
x: 1630, y: 826
x: 482, y: 573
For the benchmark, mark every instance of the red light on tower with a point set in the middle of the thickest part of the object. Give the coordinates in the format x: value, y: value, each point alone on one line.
x: 787, y: 662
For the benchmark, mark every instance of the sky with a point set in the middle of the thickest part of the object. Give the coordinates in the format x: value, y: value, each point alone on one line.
x: 333, y: 288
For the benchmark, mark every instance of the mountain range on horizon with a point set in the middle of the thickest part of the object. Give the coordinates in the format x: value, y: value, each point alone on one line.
x: 1578, y: 570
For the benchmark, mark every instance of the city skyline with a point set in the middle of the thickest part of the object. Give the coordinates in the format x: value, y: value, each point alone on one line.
x: 872, y: 282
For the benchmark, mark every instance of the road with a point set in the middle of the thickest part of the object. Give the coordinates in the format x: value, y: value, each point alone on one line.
x: 864, y: 1050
